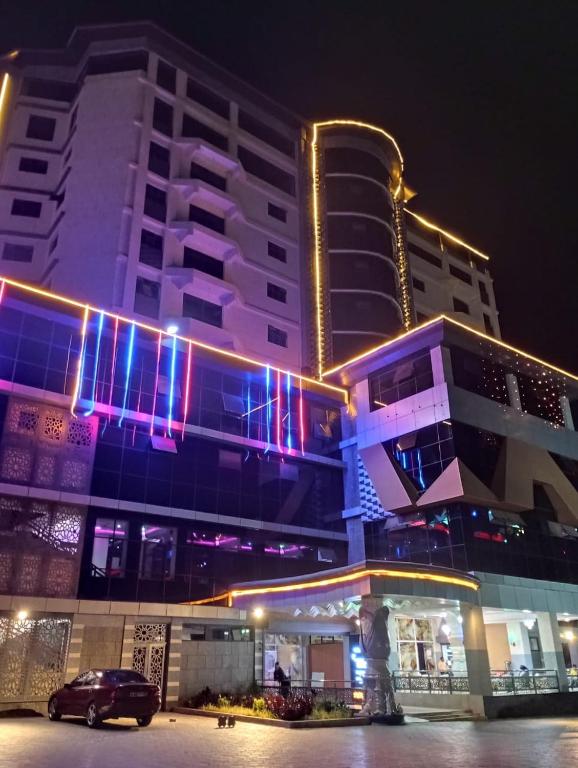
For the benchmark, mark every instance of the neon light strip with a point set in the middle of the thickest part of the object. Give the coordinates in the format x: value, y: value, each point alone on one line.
x: 128, y: 371
x: 249, y: 411
x: 301, y: 422
x: 152, y: 329
x: 4, y: 91
x: 2, y: 289
x: 289, y: 441
x: 367, y: 126
x: 159, y: 345
x: 187, y: 388
x: 268, y: 395
x: 430, y: 225
x: 172, y: 389
x: 80, y: 363
x: 278, y: 413
x: 90, y: 411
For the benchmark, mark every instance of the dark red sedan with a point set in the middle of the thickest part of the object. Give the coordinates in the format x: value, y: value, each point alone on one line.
x: 106, y: 694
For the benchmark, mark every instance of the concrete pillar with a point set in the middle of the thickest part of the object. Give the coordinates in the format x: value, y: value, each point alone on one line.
x: 259, y: 654
x: 513, y: 391
x: 476, y: 650
x: 174, y: 663
x: 441, y: 364
x: 356, y: 537
x: 552, y: 646
x: 128, y: 642
x: 346, y: 659
x: 566, y: 412
x: 74, y: 648
x: 519, y: 645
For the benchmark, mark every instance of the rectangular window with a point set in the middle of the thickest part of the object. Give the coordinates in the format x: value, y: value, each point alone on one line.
x: 159, y: 160
x: 147, y: 297
x: 195, y: 129
x: 403, y: 379
x: 151, y: 249
x: 54, y: 90
x: 419, y: 285
x: 28, y: 208
x: 155, y: 204
x: 267, y: 134
x: 202, y: 310
x: 266, y: 171
x: 207, y: 98
x: 460, y: 274
x: 276, y: 212
x: 276, y: 292
x: 158, y: 552
x: 276, y: 336
x: 117, y: 62
x: 207, y: 219
x: 166, y: 76
x: 484, y: 295
x: 193, y: 259
x: 163, y: 117
x: 214, y: 179
x: 41, y: 128
x: 425, y: 255
x: 33, y: 165
x: 109, y: 548
x: 17, y: 252
x: 276, y: 252
x: 488, y: 325
x: 461, y: 306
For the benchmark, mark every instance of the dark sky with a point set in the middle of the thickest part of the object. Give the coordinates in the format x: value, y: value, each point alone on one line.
x: 482, y: 96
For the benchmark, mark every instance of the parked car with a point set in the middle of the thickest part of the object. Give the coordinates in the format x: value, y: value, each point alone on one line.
x: 106, y: 694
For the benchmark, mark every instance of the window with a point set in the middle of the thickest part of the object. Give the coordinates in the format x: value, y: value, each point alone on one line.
x: 403, y: 379
x: 109, y: 548
x: 49, y: 89
x: 41, y: 128
x: 276, y: 336
x: 121, y: 676
x: 488, y: 325
x: 266, y: 171
x: 425, y: 255
x: 166, y: 76
x: 16, y: 252
x: 202, y: 310
x: 276, y: 252
x: 29, y: 208
x: 32, y: 165
x: 276, y: 212
x: 159, y: 160
x: 163, y: 117
x: 207, y: 98
x: 419, y: 285
x: 484, y: 295
x: 267, y: 134
x: 276, y: 292
x: 155, y: 204
x: 117, y: 62
x: 158, y: 552
x: 461, y: 306
x: 151, y: 249
x: 193, y: 259
x: 460, y: 274
x: 207, y: 219
x: 202, y: 173
x: 147, y: 297
x: 195, y: 129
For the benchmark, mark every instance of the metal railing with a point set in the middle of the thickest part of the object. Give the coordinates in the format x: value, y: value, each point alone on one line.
x: 423, y: 682
x: 507, y: 683
x: 336, y: 691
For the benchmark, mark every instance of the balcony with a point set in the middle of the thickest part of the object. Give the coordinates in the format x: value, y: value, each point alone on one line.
x: 204, y: 239
x: 195, y: 191
x: 203, y: 285
x: 204, y: 152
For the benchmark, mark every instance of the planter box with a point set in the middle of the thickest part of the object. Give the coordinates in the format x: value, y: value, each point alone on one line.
x: 337, y: 723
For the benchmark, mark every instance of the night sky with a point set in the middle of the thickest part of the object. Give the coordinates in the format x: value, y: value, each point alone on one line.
x: 481, y: 95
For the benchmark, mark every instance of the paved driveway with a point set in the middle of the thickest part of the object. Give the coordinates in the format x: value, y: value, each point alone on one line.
x: 197, y: 743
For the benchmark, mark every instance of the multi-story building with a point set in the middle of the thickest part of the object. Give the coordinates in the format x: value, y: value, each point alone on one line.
x: 222, y: 362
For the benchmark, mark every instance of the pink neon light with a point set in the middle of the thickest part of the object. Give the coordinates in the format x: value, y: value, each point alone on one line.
x: 159, y: 344
x: 279, y: 411
x: 2, y: 287
x: 79, y: 364
x: 187, y: 388
x: 301, y: 423
x: 98, y: 529
x: 113, y: 366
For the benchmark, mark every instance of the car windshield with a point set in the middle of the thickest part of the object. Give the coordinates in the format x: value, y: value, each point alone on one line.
x: 119, y: 676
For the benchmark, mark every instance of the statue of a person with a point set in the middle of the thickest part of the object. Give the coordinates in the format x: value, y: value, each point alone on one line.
x: 379, y: 695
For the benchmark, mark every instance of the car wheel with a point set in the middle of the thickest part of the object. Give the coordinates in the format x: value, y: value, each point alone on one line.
x: 53, y: 713
x: 142, y: 722
x: 92, y: 718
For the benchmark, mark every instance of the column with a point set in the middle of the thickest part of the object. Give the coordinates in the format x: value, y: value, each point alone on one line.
x: 356, y: 540
x: 513, y: 391
x: 174, y: 663
x: 74, y: 648
x: 259, y: 652
x: 566, y: 412
x: 441, y: 364
x: 519, y: 645
x: 476, y: 650
x: 552, y: 646
x: 127, y: 642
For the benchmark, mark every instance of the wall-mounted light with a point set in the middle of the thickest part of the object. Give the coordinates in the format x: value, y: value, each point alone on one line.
x: 258, y: 613
x: 172, y: 329
x: 22, y: 615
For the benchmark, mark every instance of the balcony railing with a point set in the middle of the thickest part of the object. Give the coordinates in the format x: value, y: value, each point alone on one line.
x: 425, y: 683
x: 506, y: 683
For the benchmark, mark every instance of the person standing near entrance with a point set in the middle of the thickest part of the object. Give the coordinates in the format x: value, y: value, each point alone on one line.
x: 280, y: 677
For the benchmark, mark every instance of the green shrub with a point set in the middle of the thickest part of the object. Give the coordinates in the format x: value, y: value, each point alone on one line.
x: 259, y: 705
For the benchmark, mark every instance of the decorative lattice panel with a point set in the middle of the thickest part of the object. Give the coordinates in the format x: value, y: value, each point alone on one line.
x: 368, y: 499
x: 150, y: 633
x: 16, y: 464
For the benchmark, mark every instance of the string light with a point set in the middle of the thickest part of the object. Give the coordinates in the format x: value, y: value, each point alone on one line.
x: 430, y: 225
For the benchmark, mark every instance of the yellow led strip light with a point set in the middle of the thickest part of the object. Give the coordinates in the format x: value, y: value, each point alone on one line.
x: 199, y: 344
x: 439, y: 578
x: 316, y: 224
x: 457, y: 323
x: 434, y: 227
